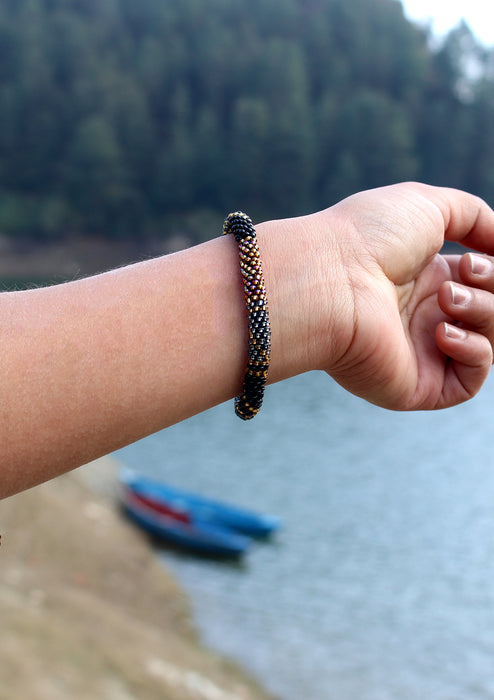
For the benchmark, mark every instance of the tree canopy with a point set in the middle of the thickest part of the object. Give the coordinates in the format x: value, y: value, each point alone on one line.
x: 118, y: 117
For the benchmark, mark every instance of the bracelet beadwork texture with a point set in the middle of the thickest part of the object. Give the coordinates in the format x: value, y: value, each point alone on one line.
x: 248, y: 404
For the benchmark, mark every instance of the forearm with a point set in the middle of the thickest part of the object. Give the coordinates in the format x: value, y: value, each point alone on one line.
x: 92, y: 365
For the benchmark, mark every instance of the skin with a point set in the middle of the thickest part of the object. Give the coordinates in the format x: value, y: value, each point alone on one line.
x: 357, y: 290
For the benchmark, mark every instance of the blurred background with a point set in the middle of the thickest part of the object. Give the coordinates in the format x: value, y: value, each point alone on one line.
x: 129, y: 128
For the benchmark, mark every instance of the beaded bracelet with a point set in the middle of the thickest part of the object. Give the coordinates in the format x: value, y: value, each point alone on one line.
x: 248, y: 404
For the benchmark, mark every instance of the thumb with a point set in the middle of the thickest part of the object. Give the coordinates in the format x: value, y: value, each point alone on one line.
x: 467, y: 219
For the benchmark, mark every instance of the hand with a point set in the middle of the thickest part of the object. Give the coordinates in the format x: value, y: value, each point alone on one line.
x: 390, y: 335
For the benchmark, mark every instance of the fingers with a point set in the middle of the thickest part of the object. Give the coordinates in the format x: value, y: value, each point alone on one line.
x: 470, y: 300
x: 471, y: 305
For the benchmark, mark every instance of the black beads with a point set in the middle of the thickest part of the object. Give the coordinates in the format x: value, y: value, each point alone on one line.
x: 248, y: 404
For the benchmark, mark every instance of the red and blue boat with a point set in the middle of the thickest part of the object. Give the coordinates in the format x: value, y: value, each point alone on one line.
x: 191, y: 520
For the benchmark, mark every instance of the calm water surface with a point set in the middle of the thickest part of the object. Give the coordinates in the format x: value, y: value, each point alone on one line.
x: 381, y: 585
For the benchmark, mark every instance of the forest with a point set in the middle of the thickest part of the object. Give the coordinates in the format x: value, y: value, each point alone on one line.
x: 131, y: 119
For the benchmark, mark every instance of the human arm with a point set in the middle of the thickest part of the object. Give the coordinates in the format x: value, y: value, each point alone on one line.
x: 95, y: 364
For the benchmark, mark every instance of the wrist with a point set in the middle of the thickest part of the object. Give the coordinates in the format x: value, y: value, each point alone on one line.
x: 310, y: 300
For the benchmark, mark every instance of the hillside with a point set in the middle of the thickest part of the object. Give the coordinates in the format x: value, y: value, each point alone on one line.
x: 140, y: 120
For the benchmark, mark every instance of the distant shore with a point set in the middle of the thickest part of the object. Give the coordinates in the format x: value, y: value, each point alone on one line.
x: 87, y: 610
x: 76, y: 256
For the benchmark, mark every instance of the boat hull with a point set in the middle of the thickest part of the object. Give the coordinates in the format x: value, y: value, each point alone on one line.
x: 199, y: 538
x: 201, y: 509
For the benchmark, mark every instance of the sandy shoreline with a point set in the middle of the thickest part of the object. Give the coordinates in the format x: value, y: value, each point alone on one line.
x: 86, y: 609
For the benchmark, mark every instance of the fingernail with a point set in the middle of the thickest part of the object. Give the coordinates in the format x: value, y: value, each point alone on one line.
x: 460, y: 296
x: 454, y: 332
x: 480, y: 264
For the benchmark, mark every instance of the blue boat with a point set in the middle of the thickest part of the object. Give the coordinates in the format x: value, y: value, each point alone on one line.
x: 177, y: 529
x: 200, y: 509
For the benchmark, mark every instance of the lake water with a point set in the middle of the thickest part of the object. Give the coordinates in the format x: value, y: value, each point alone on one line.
x: 381, y: 584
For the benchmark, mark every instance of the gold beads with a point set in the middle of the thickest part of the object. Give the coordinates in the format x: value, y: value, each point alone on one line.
x: 248, y: 404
